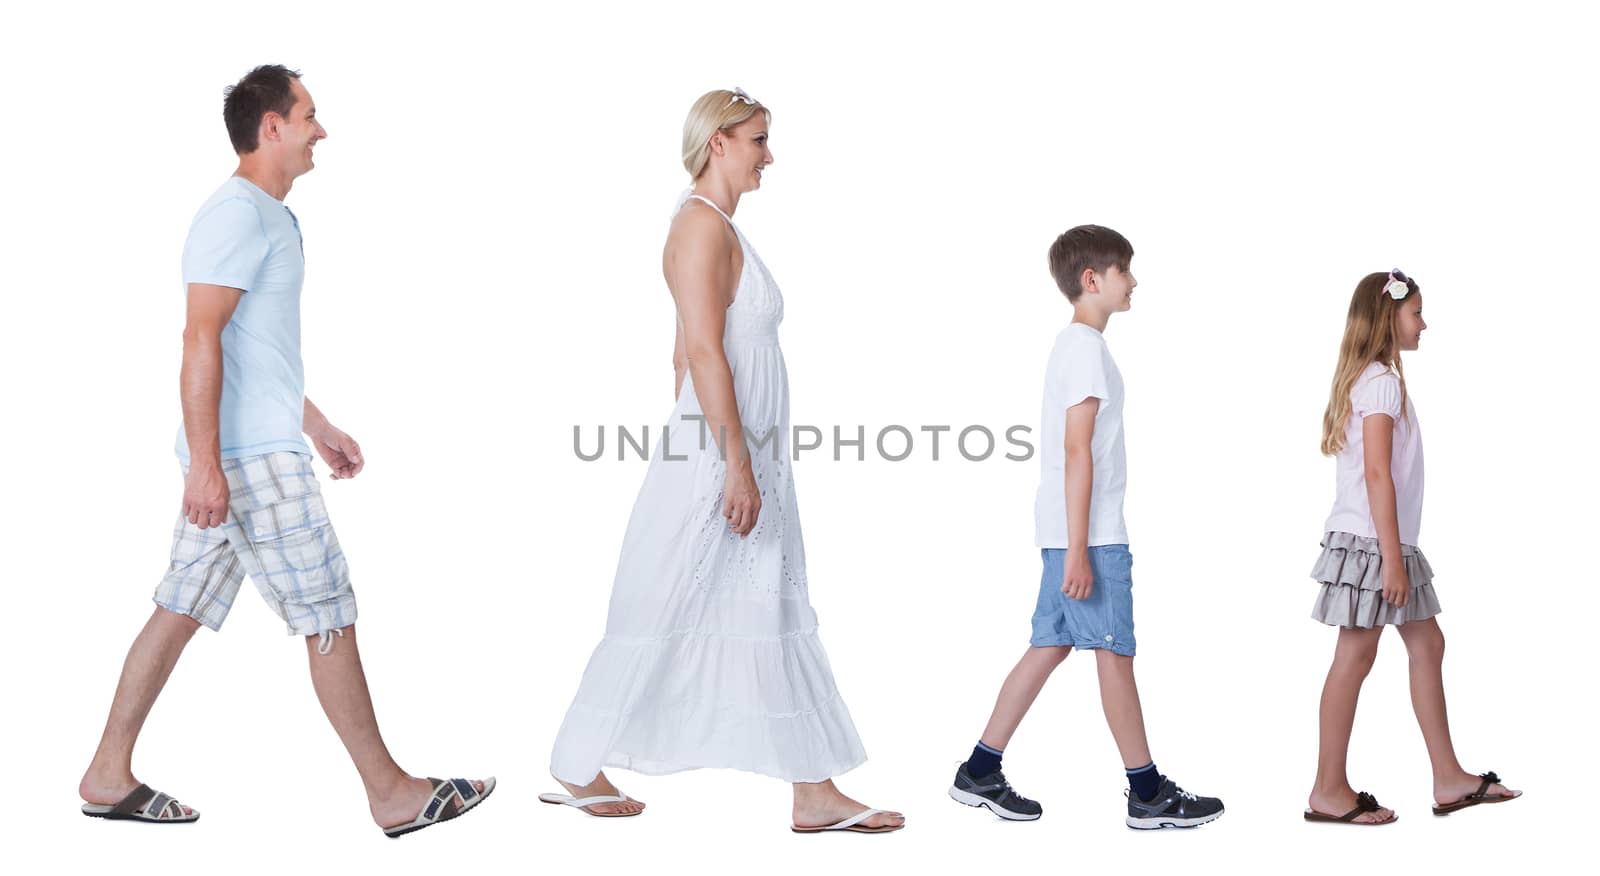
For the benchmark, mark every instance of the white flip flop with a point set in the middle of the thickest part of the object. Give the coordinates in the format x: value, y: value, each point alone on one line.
x: 853, y: 824
x: 582, y: 804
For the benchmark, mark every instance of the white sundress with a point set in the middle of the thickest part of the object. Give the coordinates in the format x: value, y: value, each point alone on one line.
x: 711, y: 656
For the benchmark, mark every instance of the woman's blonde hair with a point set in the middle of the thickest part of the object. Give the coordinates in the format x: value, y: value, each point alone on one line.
x: 1368, y: 337
x: 715, y: 111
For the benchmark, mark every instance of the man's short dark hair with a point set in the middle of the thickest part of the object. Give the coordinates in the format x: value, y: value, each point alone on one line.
x: 1087, y: 247
x: 266, y: 89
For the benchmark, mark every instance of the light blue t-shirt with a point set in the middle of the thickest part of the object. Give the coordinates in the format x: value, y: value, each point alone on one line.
x: 246, y: 239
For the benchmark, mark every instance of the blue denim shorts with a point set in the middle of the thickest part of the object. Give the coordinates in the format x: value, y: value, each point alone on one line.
x: 1104, y: 620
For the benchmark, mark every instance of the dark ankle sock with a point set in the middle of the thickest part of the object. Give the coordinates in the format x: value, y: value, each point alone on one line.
x: 1144, y: 781
x: 984, y: 761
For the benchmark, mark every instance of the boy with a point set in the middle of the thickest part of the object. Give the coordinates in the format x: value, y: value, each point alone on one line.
x: 1085, y: 594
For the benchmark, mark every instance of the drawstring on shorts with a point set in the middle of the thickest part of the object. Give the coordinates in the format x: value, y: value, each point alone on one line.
x: 325, y: 640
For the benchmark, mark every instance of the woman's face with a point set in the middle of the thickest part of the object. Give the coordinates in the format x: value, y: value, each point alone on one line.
x: 745, y: 153
x: 1408, y: 324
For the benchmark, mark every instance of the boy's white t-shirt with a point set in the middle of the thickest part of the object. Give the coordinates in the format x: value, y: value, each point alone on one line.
x: 1080, y: 367
x: 1377, y: 391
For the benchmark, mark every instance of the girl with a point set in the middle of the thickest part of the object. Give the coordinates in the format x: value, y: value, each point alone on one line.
x: 1372, y: 573
x: 711, y: 656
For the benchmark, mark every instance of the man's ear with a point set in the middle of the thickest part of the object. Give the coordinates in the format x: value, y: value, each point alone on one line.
x: 271, y: 128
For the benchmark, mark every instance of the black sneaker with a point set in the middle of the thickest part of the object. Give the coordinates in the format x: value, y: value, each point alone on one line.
x: 994, y: 793
x: 1172, y: 806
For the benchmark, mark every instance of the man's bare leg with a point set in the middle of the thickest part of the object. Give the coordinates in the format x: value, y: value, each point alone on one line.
x: 393, y: 796
x: 151, y: 658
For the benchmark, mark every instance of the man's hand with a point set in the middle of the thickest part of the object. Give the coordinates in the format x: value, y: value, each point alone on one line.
x: 205, y: 495
x: 339, y: 451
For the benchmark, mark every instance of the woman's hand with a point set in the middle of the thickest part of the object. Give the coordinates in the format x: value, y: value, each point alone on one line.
x: 741, y: 499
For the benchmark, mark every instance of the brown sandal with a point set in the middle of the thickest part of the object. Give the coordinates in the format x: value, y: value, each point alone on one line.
x: 1478, y: 796
x: 1364, y: 803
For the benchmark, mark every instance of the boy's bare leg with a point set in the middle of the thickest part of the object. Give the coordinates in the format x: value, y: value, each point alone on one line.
x: 1019, y: 691
x: 1119, y: 697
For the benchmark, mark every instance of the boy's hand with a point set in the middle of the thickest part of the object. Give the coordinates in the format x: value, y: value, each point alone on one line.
x: 1078, y: 581
x: 1396, y: 586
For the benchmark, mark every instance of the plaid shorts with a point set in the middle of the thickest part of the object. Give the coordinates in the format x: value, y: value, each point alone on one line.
x: 277, y: 533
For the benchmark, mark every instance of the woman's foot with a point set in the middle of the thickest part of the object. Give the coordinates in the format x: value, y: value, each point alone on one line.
x: 822, y: 804
x: 401, y: 802
x: 602, y: 787
x: 1340, y: 801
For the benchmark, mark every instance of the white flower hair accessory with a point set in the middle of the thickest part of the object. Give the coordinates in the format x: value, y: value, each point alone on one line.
x: 1398, y: 287
x: 738, y: 95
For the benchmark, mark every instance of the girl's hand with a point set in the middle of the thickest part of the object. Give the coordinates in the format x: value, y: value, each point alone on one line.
x: 1077, y: 582
x: 741, y: 501
x: 1396, y: 586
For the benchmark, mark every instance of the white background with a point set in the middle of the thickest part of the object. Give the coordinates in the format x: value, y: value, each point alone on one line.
x: 483, y: 233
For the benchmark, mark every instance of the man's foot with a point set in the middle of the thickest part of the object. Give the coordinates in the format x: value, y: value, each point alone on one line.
x: 994, y: 793
x: 822, y: 804
x: 1335, y: 805
x: 404, y: 801
x: 99, y: 790
x: 1172, y: 806
x: 602, y: 787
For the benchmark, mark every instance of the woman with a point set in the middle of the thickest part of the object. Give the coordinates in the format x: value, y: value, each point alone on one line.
x: 711, y: 656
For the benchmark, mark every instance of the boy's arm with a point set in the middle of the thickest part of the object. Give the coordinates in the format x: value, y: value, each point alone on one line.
x: 1078, y: 580
x: 1377, y: 436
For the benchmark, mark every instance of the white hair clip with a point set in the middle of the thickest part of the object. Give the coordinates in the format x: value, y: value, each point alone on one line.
x: 1397, y: 287
x: 738, y: 94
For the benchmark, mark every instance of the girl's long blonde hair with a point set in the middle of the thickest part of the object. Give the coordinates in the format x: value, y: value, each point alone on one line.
x: 1368, y: 337
x: 715, y: 111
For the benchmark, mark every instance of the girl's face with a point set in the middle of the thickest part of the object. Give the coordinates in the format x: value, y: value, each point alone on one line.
x: 745, y: 153
x: 1408, y: 324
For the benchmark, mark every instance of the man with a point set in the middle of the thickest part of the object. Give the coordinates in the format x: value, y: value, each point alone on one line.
x: 251, y: 503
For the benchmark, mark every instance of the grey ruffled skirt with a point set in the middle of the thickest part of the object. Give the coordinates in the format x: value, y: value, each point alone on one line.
x: 1350, y: 571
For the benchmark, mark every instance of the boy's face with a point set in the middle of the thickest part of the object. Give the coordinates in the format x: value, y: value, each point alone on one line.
x: 1113, y: 288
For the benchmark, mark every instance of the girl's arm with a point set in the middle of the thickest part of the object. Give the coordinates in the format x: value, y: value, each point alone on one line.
x: 1377, y: 436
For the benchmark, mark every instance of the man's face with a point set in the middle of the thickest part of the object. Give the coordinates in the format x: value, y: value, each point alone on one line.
x: 299, y: 132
